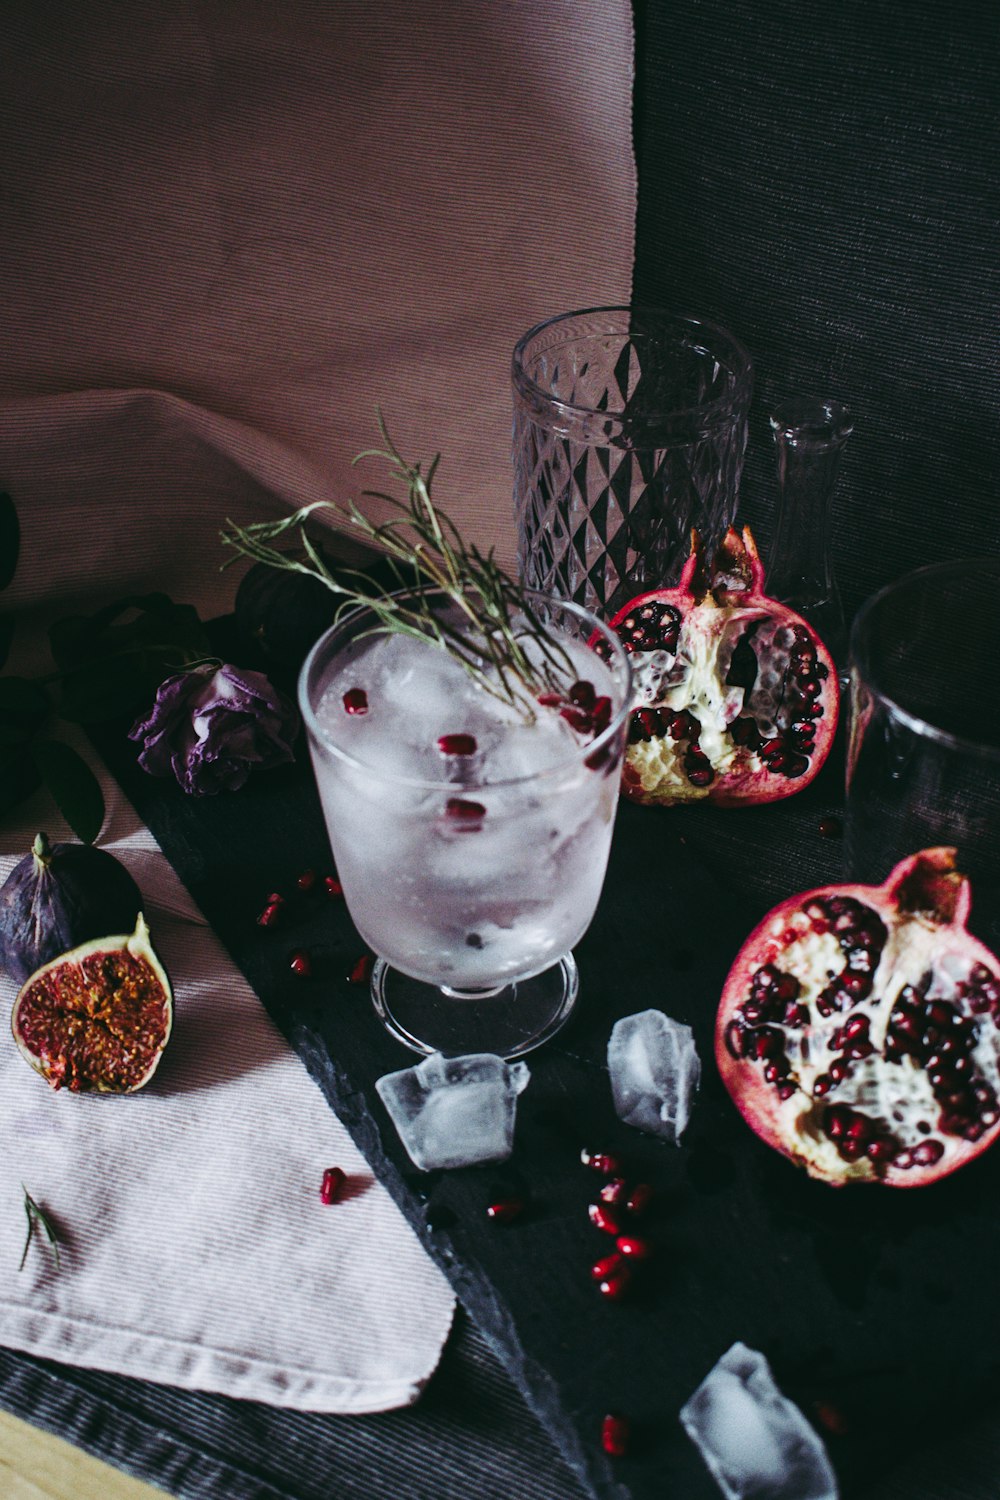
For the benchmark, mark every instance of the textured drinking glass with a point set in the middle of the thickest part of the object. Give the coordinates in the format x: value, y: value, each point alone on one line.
x: 630, y: 427
x: 924, y: 754
x: 470, y: 875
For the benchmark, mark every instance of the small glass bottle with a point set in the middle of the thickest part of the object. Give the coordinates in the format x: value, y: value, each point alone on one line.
x: 809, y: 436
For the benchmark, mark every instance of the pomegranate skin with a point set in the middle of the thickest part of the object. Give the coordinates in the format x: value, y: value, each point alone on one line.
x: 737, y: 697
x: 859, y: 1029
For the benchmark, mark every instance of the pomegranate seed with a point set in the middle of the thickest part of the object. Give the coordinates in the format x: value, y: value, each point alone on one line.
x: 605, y: 1267
x: 457, y: 744
x: 604, y: 1218
x: 601, y: 715
x: 549, y: 700
x: 639, y: 1198
x: 362, y: 970
x: 614, y: 1192
x: 577, y: 718
x: 505, y: 1210
x: 333, y: 1182
x: 927, y: 1153
x: 615, y: 1434
x: 830, y: 828
x: 301, y: 965
x: 583, y: 695
x: 880, y: 1150
x: 616, y: 1283
x: 464, y: 814
x: 306, y: 880
x: 633, y: 1247
x: 270, y: 915
x: 333, y: 886
x: 356, y: 701
x: 831, y: 1417
x: 601, y: 1161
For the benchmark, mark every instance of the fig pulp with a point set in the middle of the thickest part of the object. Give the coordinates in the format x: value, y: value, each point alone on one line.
x: 96, y: 1020
x: 59, y: 896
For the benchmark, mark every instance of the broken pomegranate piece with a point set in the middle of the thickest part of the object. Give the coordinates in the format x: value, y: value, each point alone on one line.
x: 859, y: 1029
x: 736, y: 695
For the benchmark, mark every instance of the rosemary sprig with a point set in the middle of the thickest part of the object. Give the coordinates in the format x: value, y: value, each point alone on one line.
x: 489, y: 623
x: 36, y: 1215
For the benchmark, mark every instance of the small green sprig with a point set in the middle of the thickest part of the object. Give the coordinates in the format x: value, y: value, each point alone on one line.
x: 492, y: 621
x: 36, y: 1215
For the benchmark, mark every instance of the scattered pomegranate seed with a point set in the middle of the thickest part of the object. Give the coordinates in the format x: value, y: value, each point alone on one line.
x: 615, y: 1434
x: 301, y: 965
x: 605, y: 1267
x: 333, y: 886
x: 614, y: 1192
x: 457, y: 744
x: 464, y: 814
x: 601, y: 1161
x: 333, y: 1182
x: 506, y: 1210
x: 356, y: 701
x: 604, y: 1218
x: 634, y: 1247
x: 616, y: 1283
x: 830, y: 828
x: 270, y: 915
x: 639, y: 1198
x: 362, y: 970
x: 306, y: 880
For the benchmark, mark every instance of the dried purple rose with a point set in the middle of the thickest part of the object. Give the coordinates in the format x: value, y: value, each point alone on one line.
x: 211, y: 728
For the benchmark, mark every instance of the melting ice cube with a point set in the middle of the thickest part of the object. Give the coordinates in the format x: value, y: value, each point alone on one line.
x: 455, y: 1111
x: 654, y: 1071
x: 756, y: 1443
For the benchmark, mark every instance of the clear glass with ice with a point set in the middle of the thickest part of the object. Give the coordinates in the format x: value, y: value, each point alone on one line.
x: 756, y: 1443
x: 455, y: 1111
x: 470, y: 835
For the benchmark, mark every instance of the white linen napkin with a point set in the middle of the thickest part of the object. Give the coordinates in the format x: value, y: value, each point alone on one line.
x: 195, y: 1250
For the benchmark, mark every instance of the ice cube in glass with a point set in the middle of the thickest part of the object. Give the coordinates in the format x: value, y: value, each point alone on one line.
x: 655, y: 1070
x: 755, y: 1442
x: 455, y: 1111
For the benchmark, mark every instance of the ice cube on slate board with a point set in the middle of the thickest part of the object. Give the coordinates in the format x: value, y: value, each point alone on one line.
x: 756, y: 1443
x: 654, y: 1071
x: 455, y: 1111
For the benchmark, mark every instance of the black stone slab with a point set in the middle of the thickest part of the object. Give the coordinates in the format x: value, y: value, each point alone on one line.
x: 861, y: 1298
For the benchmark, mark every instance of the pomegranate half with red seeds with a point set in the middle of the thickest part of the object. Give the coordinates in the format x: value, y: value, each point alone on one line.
x: 859, y: 1028
x: 736, y: 696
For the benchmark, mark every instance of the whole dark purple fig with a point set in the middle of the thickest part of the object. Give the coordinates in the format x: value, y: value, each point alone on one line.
x: 59, y: 896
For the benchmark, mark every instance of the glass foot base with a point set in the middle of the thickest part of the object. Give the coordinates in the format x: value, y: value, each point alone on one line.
x: 510, y: 1021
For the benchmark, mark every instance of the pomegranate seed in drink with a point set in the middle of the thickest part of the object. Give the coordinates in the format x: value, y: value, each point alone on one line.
x: 301, y: 964
x: 333, y: 886
x: 464, y: 814
x: 457, y: 744
x: 270, y: 915
x: 605, y: 1267
x: 356, y: 701
x: 616, y: 1283
x: 633, y: 1247
x: 614, y: 1192
x: 306, y: 880
x: 604, y: 1218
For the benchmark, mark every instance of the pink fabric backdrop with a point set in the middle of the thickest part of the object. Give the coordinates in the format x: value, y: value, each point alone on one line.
x: 229, y: 229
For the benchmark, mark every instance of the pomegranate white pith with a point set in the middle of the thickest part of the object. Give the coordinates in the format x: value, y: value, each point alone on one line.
x: 736, y: 697
x: 859, y: 1029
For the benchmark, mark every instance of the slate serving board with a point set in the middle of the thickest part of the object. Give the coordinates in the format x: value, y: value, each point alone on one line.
x: 860, y: 1298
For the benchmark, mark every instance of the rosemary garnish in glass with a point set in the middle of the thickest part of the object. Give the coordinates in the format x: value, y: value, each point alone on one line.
x: 488, y: 620
x: 36, y: 1215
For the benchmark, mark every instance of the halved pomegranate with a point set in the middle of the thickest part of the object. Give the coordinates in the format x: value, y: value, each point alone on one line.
x: 859, y: 1028
x: 736, y: 695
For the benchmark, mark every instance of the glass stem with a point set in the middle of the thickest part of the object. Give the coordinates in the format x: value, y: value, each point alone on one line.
x: 809, y: 436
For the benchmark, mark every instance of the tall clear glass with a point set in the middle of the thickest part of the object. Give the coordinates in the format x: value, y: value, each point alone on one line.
x: 630, y: 427
x: 924, y: 754
x: 471, y: 889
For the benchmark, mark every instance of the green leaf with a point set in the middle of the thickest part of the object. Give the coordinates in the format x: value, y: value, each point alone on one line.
x: 74, y: 787
x: 6, y: 637
x: 10, y: 540
x: 24, y: 708
x: 112, y: 666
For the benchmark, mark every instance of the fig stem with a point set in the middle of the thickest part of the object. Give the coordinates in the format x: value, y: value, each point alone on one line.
x: 42, y: 850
